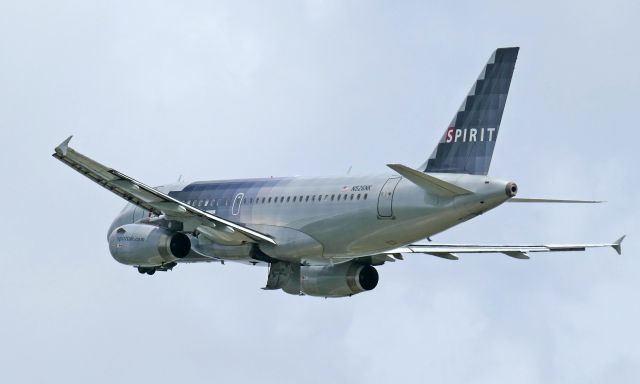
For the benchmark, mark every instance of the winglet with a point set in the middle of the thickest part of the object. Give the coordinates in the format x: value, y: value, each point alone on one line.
x: 617, y: 245
x: 63, y: 147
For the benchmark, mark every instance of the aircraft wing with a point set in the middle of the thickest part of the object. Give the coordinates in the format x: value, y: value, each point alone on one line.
x: 149, y: 198
x: 451, y: 251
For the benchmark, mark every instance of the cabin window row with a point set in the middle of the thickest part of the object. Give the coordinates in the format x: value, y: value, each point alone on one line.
x: 280, y: 199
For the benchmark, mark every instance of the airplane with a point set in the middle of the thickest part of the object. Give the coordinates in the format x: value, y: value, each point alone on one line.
x: 324, y: 236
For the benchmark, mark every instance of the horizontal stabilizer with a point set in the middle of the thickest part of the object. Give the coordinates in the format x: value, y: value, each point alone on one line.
x: 432, y: 184
x: 525, y: 200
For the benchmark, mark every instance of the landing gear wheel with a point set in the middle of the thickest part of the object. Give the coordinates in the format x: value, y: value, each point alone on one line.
x: 151, y: 272
x: 142, y: 270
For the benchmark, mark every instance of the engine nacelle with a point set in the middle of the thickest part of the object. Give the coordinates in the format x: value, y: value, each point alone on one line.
x: 337, y: 280
x: 147, y: 245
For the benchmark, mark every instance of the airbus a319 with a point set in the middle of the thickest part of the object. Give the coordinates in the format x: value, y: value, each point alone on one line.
x: 325, y: 236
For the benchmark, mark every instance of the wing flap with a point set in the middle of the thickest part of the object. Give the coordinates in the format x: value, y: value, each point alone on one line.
x: 445, y: 255
x: 518, y: 255
x: 170, y: 208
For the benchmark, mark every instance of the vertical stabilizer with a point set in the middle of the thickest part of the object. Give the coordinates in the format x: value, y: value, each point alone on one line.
x: 468, y: 142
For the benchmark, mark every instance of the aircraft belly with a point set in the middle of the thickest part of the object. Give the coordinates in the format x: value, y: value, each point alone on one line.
x: 292, y: 244
x: 365, y: 240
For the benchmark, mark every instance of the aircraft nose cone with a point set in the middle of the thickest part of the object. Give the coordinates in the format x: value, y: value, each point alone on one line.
x: 511, y: 189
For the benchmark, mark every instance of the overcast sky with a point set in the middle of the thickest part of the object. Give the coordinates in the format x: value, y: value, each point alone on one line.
x: 235, y: 89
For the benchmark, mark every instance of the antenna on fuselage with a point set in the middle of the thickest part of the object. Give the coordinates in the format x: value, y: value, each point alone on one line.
x: 349, y: 170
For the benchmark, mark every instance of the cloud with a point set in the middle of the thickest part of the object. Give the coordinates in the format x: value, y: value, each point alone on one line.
x: 244, y: 89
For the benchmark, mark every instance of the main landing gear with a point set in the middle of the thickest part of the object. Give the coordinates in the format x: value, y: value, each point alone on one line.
x: 151, y: 270
x: 148, y: 271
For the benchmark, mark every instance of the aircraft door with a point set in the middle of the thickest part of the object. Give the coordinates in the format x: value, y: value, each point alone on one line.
x: 237, y: 202
x: 385, y: 199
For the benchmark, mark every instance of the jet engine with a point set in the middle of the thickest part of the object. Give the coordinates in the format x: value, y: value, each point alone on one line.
x: 325, y: 281
x: 338, y: 280
x: 147, y: 245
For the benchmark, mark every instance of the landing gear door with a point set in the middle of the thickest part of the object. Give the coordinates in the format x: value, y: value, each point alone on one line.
x: 385, y: 199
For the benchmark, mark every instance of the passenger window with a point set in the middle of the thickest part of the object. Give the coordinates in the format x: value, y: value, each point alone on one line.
x: 281, y: 199
x: 268, y: 201
x: 263, y: 200
x: 326, y: 197
x: 365, y: 196
x: 307, y: 198
x: 351, y: 196
x: 319, y: 197
x: 300, y: 200
x: 358, y: 197
x: 338, y: 197
x: 288, y: 198
x: 313, y: 198
x: 294, y: 199
x: 332, y: 197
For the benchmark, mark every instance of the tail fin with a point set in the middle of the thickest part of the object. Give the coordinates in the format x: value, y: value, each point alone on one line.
x: 467, y: 144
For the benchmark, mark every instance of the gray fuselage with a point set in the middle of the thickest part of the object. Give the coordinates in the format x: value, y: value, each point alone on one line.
x: 319, y: 221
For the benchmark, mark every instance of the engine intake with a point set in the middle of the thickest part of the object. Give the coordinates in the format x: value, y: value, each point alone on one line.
x: 147, y: 245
